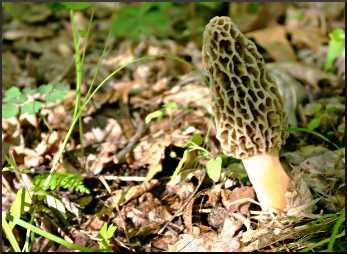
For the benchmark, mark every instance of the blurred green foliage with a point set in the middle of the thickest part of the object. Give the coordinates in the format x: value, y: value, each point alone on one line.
x: 64, y: 180
x: 336, y: 47
x: 70, y: 5
x: 17, y: 101
x: 163, y: 20
x: 150, y: 18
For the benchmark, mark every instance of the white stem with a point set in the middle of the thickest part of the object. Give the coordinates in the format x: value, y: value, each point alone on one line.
x: 269, y: 180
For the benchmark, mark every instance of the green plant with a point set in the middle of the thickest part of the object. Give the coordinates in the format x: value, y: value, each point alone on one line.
x: 60, y: 179
x: 311, y: 132
x: 335, y: 231
x: 40, y: 232
x: 335, y: 49
x: 315, y: 121
x: 310, y: 242
x: 106, y: 232
x: 31, y: 100
x: 9, y: 234
x: 149, y: 18
x: 76, y: 6
x: 38, y: 200
x: 79, y: 57
x: 70, y: 6
x: 175, y: 20
x: 161, y: 112
x: 213, y: 166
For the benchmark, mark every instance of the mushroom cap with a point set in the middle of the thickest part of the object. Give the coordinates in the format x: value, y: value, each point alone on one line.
x: 246, y: 102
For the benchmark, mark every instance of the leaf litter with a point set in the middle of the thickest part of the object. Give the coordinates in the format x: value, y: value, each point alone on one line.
x: 127, y: 162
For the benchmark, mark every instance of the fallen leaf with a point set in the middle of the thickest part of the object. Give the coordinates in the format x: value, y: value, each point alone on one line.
x: 274, y: 40
x: 307, y: 30
x: 26, y: 157
x: 321, y: 169
x: 217, y: 217
x: 121, y: 197
x: 209, y: 241
x: 305, y: 73
x: 190, y: 95
x: 227, y: 242
x: 49, y: 143
x: 292, y: 92
x: 238, y: 193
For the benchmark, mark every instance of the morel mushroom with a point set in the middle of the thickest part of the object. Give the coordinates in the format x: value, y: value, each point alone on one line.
x: 248, y: 108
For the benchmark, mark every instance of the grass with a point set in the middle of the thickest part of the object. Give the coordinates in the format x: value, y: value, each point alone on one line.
x: 40, y: 232
x: 78, y: 110
x: 334, y: 234
x: 324, y: 224
x: 67, y: 137
x: 305, y: 130
x: 311, y: 247
x: 80, y: 106
x: 9, y: 234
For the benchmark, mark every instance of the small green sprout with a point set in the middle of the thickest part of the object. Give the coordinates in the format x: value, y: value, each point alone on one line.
x: 336, y: 48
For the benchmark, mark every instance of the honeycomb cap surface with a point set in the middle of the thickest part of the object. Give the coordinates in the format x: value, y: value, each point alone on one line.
x: 247, y: 106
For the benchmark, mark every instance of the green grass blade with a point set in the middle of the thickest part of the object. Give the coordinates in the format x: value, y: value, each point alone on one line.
x: 336, y: 228
x: 21, y: 203
x: 179, y: 166
x: 311, y: 132
x: 8, y: 232
x: 52, y: 237
x: 88, y: 99
x: 315, y: 245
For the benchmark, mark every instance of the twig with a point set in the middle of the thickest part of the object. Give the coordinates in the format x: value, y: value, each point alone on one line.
x: 184, y: 205
x: 103, y: 181
x: 126, y: 178
x: 141, y: 128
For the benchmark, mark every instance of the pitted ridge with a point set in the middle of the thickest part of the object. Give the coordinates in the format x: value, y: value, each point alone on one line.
x: 245, y: 99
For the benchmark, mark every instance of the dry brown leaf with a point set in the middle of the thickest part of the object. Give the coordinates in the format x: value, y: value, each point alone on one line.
x: 150, y: 150
x: 153, y: 209
x: 121, y: 197
x: 300, y: 202
x: 307, y: 37
x: 309, y: 31
x: 80, y: 237
x: 95, y: 223
x: 227, y: 241
x: 111, y: 133
x: 26, y: 157
x: 123, y: 88
x: 30, y: 118
x: 217, y: 216
x: 292, y: 92
x: 305, y: 73
x: 58, y: 117
x: 187, y: 214
x: 274, y: 40
x: 321, y: 170
x: 209, y: 241
x: 117, y: 60
x: 49, y: 143
x: 28, y: 32
x: 190, y: 95
x: 11, y: 132
x: 238, y: 193
x: 96, y: 163
x: 190, y: 243
x: 163, y: 242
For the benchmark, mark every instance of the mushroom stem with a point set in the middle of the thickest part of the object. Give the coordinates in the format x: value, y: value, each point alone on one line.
x: 269, y: 180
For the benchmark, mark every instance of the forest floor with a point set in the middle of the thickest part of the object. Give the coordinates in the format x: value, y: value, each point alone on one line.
x: 140, y: 171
